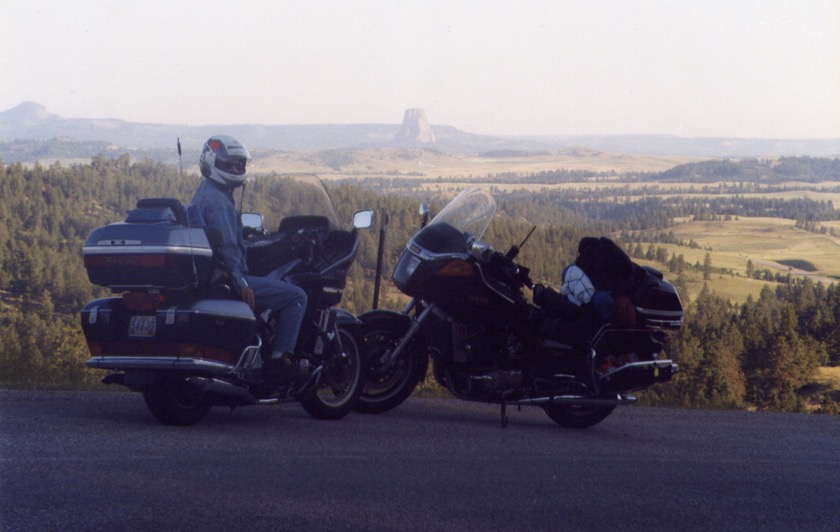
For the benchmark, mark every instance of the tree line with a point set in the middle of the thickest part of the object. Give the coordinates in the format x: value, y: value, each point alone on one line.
x: 762, y: 353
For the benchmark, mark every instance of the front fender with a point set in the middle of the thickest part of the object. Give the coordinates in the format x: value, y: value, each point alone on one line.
x: 391, y: 319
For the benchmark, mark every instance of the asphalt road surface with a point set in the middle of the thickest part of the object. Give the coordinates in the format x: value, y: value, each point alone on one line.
x: 99, y: 461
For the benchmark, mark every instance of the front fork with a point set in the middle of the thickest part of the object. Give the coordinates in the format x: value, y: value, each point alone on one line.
x: 389, y: 357
x: 327, y: 333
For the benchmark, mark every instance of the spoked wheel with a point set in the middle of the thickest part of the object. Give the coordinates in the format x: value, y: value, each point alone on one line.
x: 578, y: 416
x: 341, y: 382
x: 389, y: 385
x: 174, y: 402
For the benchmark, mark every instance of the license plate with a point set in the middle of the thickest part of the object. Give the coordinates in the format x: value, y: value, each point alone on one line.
x: 142, y: 326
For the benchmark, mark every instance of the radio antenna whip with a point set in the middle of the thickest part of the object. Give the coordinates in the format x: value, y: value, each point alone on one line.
x: 180, y: 160
x: 514, y: 249
x: 527, y: 236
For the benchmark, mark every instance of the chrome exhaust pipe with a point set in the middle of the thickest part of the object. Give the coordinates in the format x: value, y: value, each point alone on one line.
x: 216, y: 386
x: 579, y: 400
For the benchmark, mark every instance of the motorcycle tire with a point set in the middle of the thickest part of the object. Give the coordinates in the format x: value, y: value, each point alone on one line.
x: 174, y: 402
x: 385, y: 388
x: 341, y: 382
x: 576, y: 416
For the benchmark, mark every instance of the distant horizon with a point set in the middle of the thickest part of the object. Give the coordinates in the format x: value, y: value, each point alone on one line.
x: 397, y: 124
x: 691, y: 69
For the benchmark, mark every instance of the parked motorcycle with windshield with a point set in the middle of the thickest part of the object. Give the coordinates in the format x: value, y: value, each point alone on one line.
x: 174, y: 332
x: 487, y: 342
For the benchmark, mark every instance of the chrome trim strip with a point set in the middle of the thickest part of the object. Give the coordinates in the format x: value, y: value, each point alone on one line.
x: 158, y: 363
x: 144, y: 250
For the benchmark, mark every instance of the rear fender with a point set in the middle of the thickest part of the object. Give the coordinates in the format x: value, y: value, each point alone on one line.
x: 345, y: 319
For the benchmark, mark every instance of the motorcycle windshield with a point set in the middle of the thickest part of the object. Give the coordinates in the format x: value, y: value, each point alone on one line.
x: 303, y: 195
x: 462, y: 221
x: 470, y: 212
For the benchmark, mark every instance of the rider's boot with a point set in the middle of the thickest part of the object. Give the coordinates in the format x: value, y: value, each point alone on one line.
x: 282, y: 369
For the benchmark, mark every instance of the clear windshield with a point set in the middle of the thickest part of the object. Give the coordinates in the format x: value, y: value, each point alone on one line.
x: 299, y: 195
x: 470, y: 212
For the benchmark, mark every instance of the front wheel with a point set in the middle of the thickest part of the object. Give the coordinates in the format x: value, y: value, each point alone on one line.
x: 387, y: 386
x: 341, y: 382
x: 578, y: 416
x: 175, y: 402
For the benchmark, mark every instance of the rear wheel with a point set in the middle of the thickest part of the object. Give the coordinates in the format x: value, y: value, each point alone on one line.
x: 578, y: 416
x: 388, y: 385
x: 341, y: 382
x: 174, y: 402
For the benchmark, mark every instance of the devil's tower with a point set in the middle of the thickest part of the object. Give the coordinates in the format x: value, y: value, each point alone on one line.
x: 415, y: 128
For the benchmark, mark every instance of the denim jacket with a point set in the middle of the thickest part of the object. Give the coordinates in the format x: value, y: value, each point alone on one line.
x: 217, y: 209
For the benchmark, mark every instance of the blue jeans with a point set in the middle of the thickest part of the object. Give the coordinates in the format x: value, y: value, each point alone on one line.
x: 289, y: 300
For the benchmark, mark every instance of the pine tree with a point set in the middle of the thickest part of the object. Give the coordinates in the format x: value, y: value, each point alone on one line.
x: 707, y: 267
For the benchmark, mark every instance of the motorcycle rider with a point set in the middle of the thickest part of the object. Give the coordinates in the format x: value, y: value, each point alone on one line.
x: 222, y: 162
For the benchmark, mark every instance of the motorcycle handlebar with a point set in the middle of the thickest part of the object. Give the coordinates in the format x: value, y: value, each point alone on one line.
x: 503, y: 264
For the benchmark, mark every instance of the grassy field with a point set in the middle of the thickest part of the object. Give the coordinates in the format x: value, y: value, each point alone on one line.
x: 770, y: 243
x: 393, y: 162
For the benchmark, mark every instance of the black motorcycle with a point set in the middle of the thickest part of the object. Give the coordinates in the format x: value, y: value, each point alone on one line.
x: 488, y: 343
x: 175, y: 332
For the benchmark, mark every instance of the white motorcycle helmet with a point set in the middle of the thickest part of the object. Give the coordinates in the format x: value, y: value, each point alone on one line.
x: 223, y: 160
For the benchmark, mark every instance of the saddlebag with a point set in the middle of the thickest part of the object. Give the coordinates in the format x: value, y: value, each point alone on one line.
x: 657, y: 303
x: 155, y: 247
x: 125, y: 333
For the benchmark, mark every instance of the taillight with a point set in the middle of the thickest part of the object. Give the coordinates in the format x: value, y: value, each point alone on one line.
x: 143, y: 301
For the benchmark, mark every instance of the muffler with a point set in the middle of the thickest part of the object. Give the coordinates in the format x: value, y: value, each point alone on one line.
x: 218, y: 387
x: 579, y: 400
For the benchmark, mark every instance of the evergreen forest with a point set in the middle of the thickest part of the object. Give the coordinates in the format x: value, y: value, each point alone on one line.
x: 760, y: 354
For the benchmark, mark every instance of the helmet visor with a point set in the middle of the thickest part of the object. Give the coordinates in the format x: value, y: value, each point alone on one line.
x: 234, y: 165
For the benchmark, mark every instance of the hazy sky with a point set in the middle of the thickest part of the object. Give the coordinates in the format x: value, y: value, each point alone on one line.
x: 744, y: 68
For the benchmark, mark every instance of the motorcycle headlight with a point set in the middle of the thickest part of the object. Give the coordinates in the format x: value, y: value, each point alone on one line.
x: 406, y: 267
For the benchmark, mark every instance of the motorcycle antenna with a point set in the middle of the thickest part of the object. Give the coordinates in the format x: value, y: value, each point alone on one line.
x: 514, y: 249
x: 527, y: 236
x: 180, y: 159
